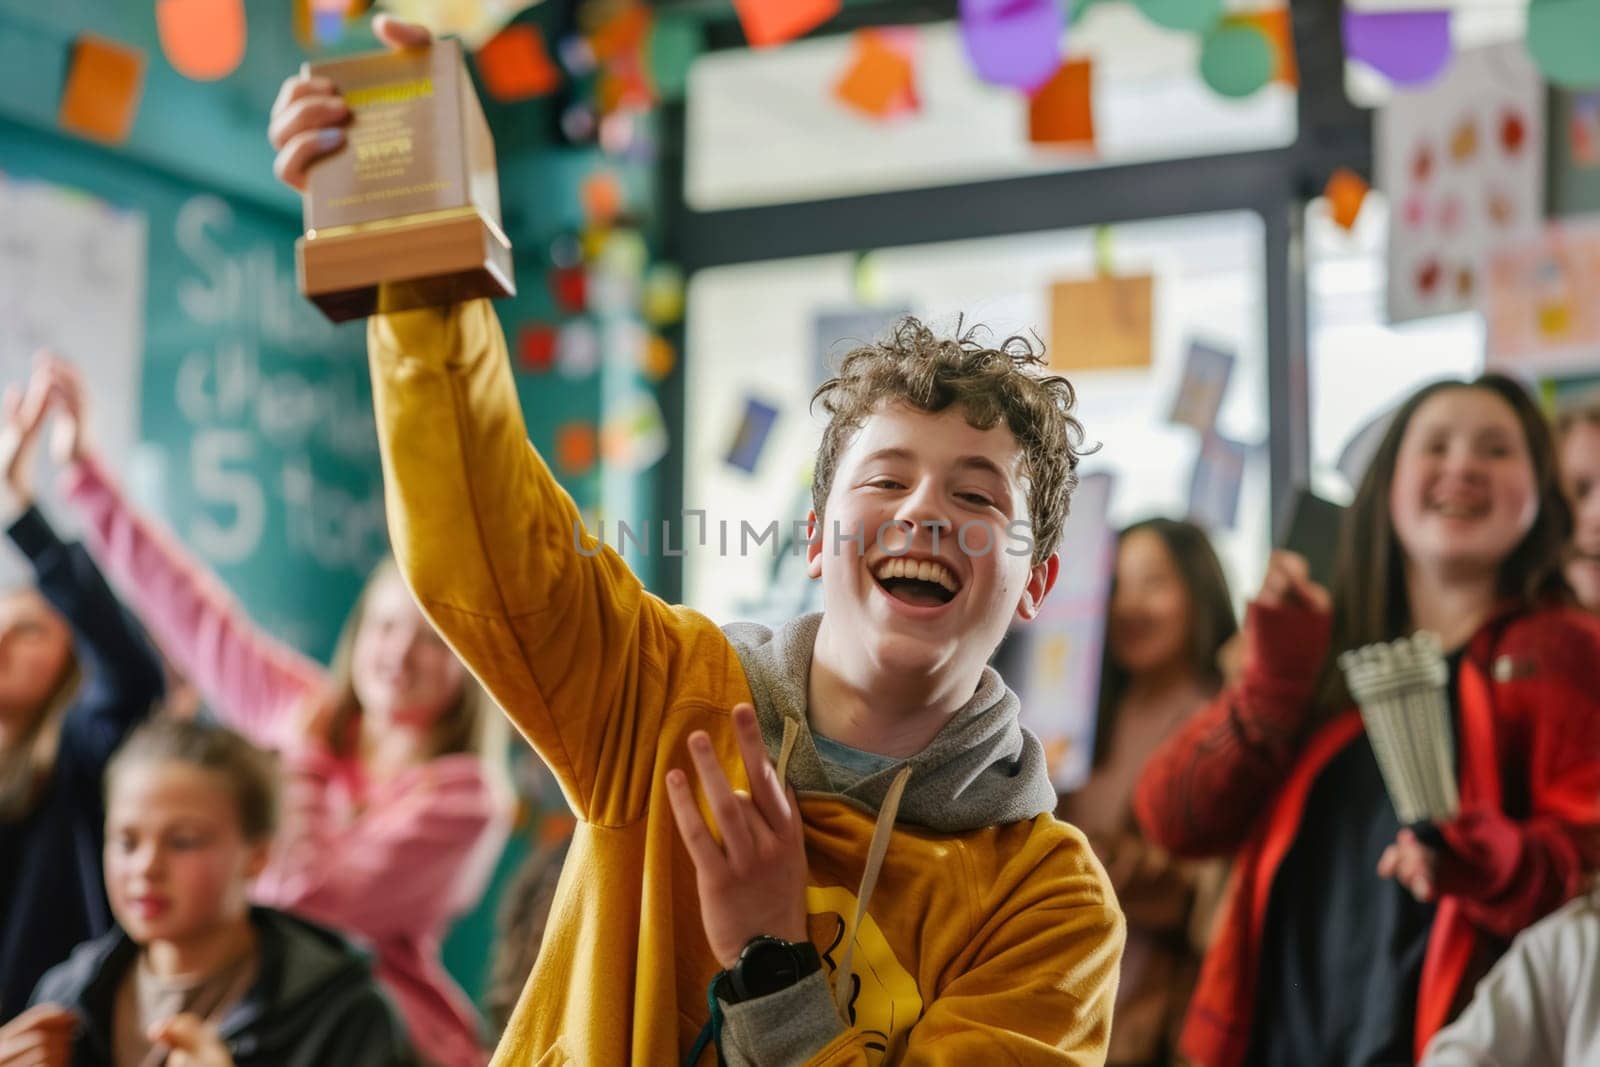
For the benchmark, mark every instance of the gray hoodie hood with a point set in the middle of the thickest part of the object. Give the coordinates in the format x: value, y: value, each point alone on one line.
x: 983, y: 769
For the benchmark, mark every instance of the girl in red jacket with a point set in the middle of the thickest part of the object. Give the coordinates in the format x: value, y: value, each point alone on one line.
x: 1346, y: 939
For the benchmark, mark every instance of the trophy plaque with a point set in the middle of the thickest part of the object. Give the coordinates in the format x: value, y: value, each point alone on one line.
x: 406, y: 213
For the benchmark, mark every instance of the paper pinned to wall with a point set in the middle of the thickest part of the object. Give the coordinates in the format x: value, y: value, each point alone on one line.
x: 1206, y: 374
x: 1567, y: 394
x: 105, y: 81
x: 1218, y: 475
x: 634, y: 436
x: 755, y: 426
x: 835, y: 332
x: 56, y: 245
x: 1053, y: 662
x: 1462, y: 162
x: 1102, y: 323
x: 1543, y: 299
x: 1583, y: 130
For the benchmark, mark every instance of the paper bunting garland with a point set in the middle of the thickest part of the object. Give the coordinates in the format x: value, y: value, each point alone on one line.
x: 1346, y: 191
x: 1236, y: 59
x: 662, y: 300
x: 474, y: 21
x: 1062, y: 111
x: 536, y: 347
x: 1013, y: 42
x: 674, y: 43
x: 516, y: 65
x: 772, y: 22
x: 658, y: 358
x: 1195, y: 16
x: 1564, y: 40
x: 1408, y: 47
x: 104, y: 83
x: 202, y: 39
x: 577, y: 448
x: 881, y: 78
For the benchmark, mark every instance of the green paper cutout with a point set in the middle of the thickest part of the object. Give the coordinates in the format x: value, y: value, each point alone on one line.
x: 675, y: 43
x: 1237, y: 60
x: 1564, y: 40
x: 1191, y: 15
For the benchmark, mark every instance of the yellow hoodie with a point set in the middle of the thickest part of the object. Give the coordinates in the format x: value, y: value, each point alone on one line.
x: 997, y: 942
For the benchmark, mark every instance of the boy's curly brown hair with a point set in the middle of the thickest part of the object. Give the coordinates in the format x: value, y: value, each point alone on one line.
x: 1009, y: 384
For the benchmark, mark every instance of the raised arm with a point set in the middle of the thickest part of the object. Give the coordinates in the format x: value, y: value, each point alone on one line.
x: 420, y: 854
x: 122, y: 677
x: 1203, y: 791
x: 250, y: 679
x: 557, y: 627
x: 122, y: 680
x: 559, y: 630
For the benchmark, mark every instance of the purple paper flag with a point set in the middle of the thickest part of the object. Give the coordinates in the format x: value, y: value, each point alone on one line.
x: 1408, y: 47
x: 1013, y: 42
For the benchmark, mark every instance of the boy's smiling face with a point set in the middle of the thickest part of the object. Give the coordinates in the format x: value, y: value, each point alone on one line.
x: 912, y: 606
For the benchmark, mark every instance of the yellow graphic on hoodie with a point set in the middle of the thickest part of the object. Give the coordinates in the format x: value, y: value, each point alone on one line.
x: 885, y: 1002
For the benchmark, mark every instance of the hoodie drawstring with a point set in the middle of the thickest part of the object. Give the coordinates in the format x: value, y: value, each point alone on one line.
x: 791, y: 734
x: 843, y: 983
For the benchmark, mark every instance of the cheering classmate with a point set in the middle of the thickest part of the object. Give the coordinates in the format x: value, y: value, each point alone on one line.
x: 1169, y: 616
x: 1578, y: 436
x: 1346, y: 939
x: 75, y: 676
x: 192, y: 976
x: 398, y: 801
x: 896, y: 888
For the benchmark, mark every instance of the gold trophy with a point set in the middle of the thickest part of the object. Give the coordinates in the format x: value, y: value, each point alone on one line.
x: 406, y: 213
x: 1402, y: 688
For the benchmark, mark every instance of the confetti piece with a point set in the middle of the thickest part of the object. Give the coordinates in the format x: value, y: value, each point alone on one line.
x: 104, y: 83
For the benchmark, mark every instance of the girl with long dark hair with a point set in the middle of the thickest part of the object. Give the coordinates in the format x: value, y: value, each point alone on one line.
x: 1345, y: 938
x: 1168, y: 616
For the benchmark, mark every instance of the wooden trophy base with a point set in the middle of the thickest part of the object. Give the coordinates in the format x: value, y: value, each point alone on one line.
x: 432, y: 258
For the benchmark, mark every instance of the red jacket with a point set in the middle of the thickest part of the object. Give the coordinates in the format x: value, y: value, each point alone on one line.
x: 1235, y: 779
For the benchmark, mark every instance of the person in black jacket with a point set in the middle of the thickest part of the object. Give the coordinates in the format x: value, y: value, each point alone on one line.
x: 193, y: 976
x: 76, y: 674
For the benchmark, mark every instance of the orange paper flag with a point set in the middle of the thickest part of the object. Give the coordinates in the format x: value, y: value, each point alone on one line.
x: 202, y: 39
x: 622, y: 35
x: 516, y: 65
x: 602, y: 198
x: 881, y: 79
x: 104, y: 83
x: 1346, y: 192
x: 1275, y: 26
x: 770, y: 22
x: 1062, y: 110
x: 577, y: 447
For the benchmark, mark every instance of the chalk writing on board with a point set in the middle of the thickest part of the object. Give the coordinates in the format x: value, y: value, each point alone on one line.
x: 287, y: 429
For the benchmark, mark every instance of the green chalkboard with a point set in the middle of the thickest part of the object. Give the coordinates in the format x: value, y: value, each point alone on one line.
x: 256, y: 413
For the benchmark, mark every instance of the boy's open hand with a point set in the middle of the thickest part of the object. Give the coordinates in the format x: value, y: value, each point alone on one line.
x: 39, y: 1037
x: 754, y: 883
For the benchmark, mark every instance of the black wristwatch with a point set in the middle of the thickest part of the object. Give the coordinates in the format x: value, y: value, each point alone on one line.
x: 767, y: 965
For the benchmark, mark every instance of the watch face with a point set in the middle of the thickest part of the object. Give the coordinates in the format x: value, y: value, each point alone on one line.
x: 767, y: 967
